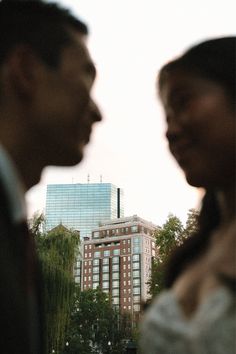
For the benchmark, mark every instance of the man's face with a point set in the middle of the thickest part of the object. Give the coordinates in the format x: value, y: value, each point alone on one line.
x: 63, y: 110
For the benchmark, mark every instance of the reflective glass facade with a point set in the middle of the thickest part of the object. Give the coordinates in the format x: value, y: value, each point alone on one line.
x: 83, y: 206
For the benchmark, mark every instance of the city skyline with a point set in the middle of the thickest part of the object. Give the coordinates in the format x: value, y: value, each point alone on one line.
x: 129, y: 42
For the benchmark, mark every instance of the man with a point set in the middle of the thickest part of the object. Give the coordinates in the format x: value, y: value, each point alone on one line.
x: 46, y: 117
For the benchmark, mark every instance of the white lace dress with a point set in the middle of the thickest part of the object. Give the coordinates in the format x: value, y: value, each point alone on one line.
x: 212, y: 329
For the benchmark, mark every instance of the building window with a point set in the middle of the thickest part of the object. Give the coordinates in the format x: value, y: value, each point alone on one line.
x: 136, y: 298
x: 115, y: 267
x: 96, y: 234
x: 97, y: 254
x: 77, y: 279
x: 95, y: 269
x: 136, y: 274
x: 137, y: 249
x: 105, y: 261
x: 134, y: 228
x: 96, y: 277
x: 136, y: 308
x: 96, y: 262
x: 95, y: 285
x: 115, y: 275
x: 85, y: 247
x: 106, y: 276
x: 116, y: 300
x: 115, y: 260
x: 115, y: 284
x: 107, y: 253
x: 115, y: 292
x: 116, y: 252
x: 124, y: 242
x: 136, y: 281
x: 90, y: 255
x: 136, y: 265
x: 105, y: 269
x: 136, y: 291
x: 135, y: 257
x: 105, y: 284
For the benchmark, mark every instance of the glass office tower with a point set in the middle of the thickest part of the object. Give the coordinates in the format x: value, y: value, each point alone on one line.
x: 82, y: 206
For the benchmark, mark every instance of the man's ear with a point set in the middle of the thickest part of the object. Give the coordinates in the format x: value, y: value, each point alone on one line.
x: 23, y: 69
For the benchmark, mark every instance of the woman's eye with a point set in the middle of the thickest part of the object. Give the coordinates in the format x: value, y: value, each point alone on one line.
x: 181, y: 102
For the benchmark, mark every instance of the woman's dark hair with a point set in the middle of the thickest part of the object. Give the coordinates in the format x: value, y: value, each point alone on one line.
x: 215, y: 60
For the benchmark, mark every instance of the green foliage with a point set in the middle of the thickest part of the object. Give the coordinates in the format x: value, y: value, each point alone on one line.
x: 168, y: 237
x: 96, y: 327
x: 57, y: 251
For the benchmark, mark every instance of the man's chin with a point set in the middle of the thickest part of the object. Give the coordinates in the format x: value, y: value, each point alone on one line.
x: 70, y: 159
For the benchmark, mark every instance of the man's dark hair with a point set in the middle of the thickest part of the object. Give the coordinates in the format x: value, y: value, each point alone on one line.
x: 42, y: 26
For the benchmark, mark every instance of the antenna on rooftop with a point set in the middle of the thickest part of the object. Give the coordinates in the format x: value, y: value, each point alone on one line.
x: 88, y: 178
x: 100, y: 178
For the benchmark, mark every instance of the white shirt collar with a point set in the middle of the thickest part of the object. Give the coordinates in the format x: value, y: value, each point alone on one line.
x: 13, y: 187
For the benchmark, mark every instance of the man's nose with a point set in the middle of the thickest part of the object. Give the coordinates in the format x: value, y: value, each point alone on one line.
x: 95, y: 113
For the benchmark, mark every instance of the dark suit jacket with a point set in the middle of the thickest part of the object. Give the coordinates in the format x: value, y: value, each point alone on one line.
x: 20, y: 317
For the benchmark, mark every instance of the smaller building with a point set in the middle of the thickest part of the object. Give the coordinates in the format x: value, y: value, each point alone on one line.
x: 118, y: 258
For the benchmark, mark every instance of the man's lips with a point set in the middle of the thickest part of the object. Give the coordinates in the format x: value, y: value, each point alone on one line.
x: 181, y: 149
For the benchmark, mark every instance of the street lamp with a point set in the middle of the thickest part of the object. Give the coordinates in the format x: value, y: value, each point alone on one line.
x: 109, y: 345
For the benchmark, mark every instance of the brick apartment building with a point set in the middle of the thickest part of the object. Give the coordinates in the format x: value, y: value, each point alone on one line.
x: 118, y: 259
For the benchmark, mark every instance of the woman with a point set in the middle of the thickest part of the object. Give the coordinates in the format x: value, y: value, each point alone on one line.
x: 197, y: 311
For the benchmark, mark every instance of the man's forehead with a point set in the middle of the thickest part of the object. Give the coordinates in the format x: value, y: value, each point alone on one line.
x: 78, y: 40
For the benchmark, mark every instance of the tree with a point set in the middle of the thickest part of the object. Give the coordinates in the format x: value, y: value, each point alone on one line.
x: 57, y: 252
x: 96, y: 327
x: 168, y: 237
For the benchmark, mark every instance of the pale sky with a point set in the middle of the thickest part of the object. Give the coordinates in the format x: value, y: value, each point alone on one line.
x: 129, y: 41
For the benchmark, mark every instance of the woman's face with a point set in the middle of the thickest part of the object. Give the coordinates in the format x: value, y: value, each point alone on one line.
x: 200, y: 129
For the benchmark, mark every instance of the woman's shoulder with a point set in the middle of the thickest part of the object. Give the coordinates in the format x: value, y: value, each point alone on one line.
x: 166, y: 329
